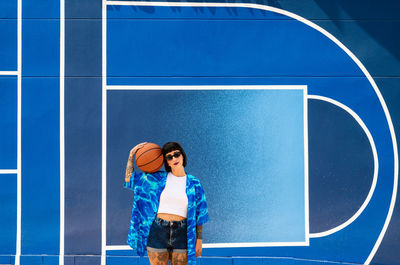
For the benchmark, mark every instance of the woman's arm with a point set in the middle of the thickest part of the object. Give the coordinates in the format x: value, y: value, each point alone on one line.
x: 199, y: 240
x: 129, y: 165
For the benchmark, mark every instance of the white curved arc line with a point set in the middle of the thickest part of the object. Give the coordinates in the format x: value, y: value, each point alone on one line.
x: 376, y: 166
x: 331, y: 37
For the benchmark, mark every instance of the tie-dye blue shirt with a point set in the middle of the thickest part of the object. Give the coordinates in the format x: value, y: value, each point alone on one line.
x: 147, y: 189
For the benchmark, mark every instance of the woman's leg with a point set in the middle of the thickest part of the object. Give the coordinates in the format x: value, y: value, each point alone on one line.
x: 158, y: 258
x: 178, y: 258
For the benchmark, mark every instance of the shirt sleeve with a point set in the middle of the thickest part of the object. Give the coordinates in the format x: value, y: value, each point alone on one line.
x: 201, y: 206
x: 133, y: 180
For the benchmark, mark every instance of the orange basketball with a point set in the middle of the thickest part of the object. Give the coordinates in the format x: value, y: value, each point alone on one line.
x: 149, y: 158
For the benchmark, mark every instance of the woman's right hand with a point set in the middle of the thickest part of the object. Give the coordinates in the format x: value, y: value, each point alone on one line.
x: 134, y: 149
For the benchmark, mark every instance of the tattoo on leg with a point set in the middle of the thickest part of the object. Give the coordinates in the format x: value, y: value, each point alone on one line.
x: 158, y: 258
x: 179, y: 258
x: 199, y: 232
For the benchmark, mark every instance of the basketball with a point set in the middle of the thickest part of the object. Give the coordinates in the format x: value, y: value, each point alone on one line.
x: 149, y: 158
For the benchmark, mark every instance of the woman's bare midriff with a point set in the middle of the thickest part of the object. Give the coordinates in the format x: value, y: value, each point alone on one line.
x: 170, y: 217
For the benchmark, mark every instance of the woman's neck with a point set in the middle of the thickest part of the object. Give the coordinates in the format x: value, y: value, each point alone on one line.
x: 179, y: 172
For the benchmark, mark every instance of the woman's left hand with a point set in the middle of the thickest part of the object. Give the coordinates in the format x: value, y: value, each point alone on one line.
x: 199, y: 247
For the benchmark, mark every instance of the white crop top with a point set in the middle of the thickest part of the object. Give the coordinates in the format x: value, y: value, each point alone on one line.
x: 173, y: 199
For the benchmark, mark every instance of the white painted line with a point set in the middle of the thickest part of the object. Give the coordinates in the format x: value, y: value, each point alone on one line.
x: 395, y: 182
x: 255, y: 244
x: 9, y: 72
x: 104, y: 136
x: 115, y: 247
x: 19, y: 149
x: 241, y: 87
x: 204, y: 87
x: 306, y: 173
x: 8, y: 171
x: 62, y: 131
x: 208, y: 87
x: 229, y: 245
x: 337, y: 42
x: 376, y: 166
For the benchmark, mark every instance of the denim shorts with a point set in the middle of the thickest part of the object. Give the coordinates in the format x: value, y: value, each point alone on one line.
x: 167, y: 236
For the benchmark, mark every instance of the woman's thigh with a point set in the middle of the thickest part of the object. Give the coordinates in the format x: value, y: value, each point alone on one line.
x: 178, y: 258
x: 158, y: 258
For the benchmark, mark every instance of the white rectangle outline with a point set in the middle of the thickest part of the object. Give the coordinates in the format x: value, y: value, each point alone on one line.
x: 9, y: 73
x: 105, y: 87
x: 19, y: 155
x: 18, y: 171
x: 8, y: 171
x: 62, y: 131
x: 227, y: 87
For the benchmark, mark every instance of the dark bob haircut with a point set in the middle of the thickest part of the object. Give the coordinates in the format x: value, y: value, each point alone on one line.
x: 169, y: 147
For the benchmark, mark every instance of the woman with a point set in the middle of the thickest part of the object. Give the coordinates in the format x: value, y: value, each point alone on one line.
x: 169, y: 210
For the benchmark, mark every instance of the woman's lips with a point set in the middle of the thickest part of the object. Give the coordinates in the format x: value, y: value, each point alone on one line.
x: 176, y: 163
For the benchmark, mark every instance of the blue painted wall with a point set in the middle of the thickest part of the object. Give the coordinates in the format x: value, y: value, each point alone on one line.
x: 230, y: 46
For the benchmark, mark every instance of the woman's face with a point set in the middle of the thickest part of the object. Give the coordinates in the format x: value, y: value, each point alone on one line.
x: 174, y: 159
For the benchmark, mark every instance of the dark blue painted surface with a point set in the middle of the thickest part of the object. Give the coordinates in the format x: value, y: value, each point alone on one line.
x: 182, y: 48
x: 31, y: 260
x: 87, y: 260
x: 83, y: 128
x: 279, y: 261
x: 49, y: 9
x: 206, y: 13
x: 82, y: 166
x: 69, y: 260
x: 41, y: 52
x: 5, y: 259
x: 8, y: 44
x: 388, y: 253
x: 8, y: 9
x: 83, y: 48
x: 368, y: 34
x: 87, y: 9
x: 8, y: 122
x: 341, y: 165
x: 50, y: 260
x: 8, y: 214
x: 122, y: 260
x: 377, y: 46
x: 40, y: 148
x: 325, y: 60
x: 40, y: 166
x: 339, y: 9
x: 215, y: 261
x: 248, y: 261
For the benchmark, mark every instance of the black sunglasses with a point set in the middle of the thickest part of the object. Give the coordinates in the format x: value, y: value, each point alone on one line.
x: 176, y: 155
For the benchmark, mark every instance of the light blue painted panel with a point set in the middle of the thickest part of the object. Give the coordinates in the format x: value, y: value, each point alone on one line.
x: 246, y: 147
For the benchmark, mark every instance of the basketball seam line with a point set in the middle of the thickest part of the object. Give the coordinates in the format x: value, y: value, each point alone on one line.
x: 136, y: 158
x: 150, y: 161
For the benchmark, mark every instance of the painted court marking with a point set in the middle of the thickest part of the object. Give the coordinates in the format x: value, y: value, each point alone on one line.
x: 376, y: 166
x: 283, y: 12
x: 246, y: 87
